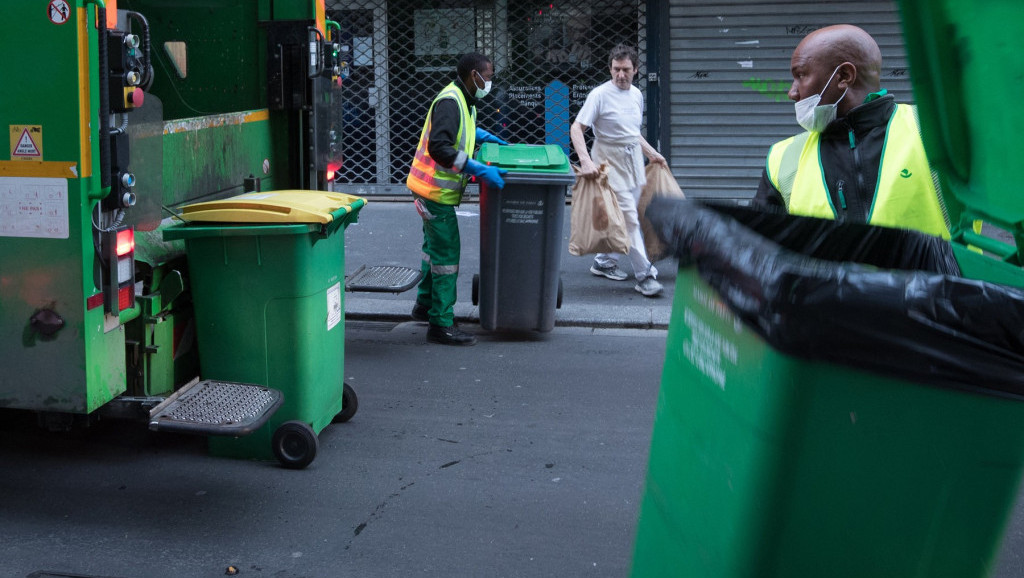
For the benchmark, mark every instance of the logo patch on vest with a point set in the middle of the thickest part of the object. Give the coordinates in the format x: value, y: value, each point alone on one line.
x: 906, y: 173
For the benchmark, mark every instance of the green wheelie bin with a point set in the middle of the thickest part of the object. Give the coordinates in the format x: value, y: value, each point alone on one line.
x: 266, y: 271
x: 845, y: 400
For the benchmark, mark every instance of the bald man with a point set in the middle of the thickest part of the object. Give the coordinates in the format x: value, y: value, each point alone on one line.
x: 860, y: 158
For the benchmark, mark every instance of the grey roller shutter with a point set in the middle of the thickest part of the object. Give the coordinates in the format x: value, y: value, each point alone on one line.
x: 728, y: 71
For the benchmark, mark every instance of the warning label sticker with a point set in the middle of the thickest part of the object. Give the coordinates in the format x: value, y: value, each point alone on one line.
x: 34, y: 207
x: 26, y: 142
x: 334, y: 311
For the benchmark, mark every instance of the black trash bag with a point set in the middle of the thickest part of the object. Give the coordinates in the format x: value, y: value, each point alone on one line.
x: 885, y: 300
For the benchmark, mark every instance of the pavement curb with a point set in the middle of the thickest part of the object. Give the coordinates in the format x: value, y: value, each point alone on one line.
x: 655, y: 316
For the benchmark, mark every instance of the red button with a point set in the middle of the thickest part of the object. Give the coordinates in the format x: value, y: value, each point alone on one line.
x: 136, y: 97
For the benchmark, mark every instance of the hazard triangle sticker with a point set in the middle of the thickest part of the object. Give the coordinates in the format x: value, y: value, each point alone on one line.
x: 27, y: 142
x: 26, y: 147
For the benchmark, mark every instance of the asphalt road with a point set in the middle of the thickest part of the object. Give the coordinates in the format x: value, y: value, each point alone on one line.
x: 521, y: 456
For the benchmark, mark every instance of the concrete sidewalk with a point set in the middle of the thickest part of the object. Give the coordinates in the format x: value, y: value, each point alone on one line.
x: 389, y: 232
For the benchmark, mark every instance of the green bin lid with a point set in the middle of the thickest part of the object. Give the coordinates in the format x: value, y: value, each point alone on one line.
x: 291, y: 206
x: 525, y: 158
x: 967, y: 69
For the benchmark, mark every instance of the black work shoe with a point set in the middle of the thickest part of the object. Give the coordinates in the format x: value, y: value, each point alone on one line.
x: 449, y: 335
x: 420, y: 312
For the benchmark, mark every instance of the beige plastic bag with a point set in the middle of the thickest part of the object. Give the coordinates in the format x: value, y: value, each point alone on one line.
x: 597, y: 224
x: 660, y: 182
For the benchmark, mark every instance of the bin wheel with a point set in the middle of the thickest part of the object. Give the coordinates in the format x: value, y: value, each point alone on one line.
x: 558, y: 301
x: 349, y: 405
x: 295, y: 444
x: 476, y: 289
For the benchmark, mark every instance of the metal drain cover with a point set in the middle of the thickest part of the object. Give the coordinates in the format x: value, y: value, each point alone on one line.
x: 383, y: 279
x: 216, y: 408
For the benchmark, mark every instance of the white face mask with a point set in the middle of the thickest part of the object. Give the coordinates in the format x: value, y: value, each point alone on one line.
x: 481, y: 92
x: 815, y: 118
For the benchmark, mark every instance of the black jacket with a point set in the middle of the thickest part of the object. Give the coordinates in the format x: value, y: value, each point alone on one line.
x: 851, y: 151
x: 444, y: 129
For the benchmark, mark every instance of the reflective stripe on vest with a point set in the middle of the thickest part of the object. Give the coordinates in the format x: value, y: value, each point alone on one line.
x: 426, y: 177
x: 906, y: 193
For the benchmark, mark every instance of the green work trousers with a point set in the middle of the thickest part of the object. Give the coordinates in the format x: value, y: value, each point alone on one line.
x: 441, y: 250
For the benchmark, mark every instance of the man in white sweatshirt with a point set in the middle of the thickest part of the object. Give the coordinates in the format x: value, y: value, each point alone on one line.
x: 614, y: 110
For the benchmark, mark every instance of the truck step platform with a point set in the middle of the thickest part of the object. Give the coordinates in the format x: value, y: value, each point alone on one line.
x: 212, y: 407
x: 383, y: 279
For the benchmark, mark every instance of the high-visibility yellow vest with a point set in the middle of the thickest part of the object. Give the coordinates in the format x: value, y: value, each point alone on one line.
x: 906, y: 194
x: 431, y: 180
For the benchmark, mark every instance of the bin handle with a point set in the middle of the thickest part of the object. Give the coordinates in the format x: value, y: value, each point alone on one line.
x: 318, y: 56
x: 357, y: 203
x: 1004, y: 251
x: 338, y: 216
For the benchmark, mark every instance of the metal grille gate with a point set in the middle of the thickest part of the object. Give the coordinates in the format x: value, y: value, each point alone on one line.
x: 400, y: 53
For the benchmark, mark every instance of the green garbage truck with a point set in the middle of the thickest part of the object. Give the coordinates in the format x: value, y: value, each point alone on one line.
x: 127, y: 113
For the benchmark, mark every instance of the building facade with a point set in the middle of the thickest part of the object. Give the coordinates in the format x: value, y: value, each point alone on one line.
x: 714, y: 72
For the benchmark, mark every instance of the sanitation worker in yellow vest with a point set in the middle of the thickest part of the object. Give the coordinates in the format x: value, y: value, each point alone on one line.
x: 861, y: 158
x: 440, y: 169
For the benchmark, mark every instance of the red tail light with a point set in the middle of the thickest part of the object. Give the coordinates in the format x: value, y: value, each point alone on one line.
x: 332, y: 170
x: 125, y: 242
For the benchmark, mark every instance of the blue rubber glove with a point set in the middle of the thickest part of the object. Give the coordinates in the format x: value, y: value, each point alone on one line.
x: 490, y: 175
x: 484, y: 136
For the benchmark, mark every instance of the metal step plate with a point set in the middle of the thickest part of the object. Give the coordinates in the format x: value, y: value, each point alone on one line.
x: 383, y: 279
x: 216, y: 408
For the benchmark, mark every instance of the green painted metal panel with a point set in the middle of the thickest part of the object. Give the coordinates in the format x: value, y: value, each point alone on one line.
x: 225, y: 51
x: 51, y: 264
x: 211, y: 156
x: 46, y: 97
x: 225, y: 54
x: 300, y: 10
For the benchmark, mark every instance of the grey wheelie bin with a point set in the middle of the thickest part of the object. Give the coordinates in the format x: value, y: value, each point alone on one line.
x: 518, y: 287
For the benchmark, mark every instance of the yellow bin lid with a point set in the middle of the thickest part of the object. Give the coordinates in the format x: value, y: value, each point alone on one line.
x: 292, y: 206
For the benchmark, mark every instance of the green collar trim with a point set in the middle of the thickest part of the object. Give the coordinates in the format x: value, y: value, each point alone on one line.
x: 875, y: 95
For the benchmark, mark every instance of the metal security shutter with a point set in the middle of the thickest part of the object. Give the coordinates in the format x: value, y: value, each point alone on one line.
x: 728, y: 73
x: 399, y: 53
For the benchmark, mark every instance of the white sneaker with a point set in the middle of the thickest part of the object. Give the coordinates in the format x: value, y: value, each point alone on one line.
x: 649, y: 287
x: 610, y: 271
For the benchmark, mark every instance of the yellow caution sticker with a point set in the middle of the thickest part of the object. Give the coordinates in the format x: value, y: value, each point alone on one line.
x: 26, y: 142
